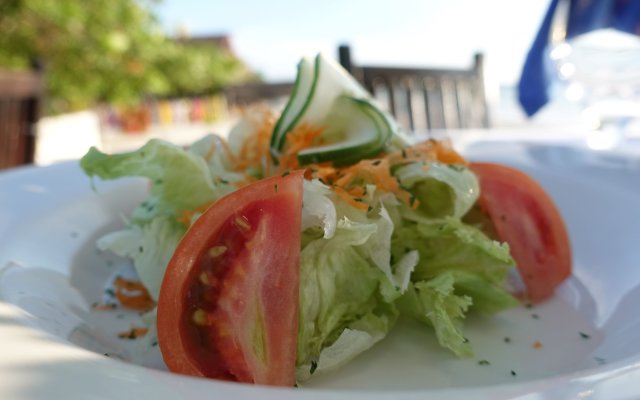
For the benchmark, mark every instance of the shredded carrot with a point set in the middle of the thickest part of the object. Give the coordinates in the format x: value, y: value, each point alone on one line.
x: 133, y: 333
x: 324, y: 172
x: 347, y: 182
x: 350, y: 199
x: 133, y: 295
x: 301, y: 137
x: 374, y: 171
x: 255, y: 148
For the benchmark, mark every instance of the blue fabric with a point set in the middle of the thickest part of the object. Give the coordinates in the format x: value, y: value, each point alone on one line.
x: 584, y: 16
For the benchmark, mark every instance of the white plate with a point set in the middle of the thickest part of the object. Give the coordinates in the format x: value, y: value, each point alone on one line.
x: 52, y: 345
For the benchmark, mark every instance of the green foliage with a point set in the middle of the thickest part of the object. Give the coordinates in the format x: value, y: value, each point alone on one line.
x: 107, y: 50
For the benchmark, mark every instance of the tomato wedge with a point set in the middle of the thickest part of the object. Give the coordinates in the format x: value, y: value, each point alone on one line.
x: 228, y: 305
x: 527, y: 219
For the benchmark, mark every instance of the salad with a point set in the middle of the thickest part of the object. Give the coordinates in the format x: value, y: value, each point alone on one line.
x: 294, y: 245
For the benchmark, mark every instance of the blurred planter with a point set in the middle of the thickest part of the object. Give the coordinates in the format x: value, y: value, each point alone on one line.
x: 135, y: 119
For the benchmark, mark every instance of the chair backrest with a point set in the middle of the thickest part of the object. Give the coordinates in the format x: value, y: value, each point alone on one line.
x: 424, y: 99
x: 20, y: 101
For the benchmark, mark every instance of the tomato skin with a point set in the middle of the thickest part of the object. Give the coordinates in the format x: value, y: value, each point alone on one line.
x: 252, y: 288
x: 527, y: 219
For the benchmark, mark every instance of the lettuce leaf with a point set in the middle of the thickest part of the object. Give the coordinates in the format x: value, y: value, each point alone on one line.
x: 459, y: 268
x: 442, y: 190
x: 150, y: 246
x: 180, y: 179
x: 338, y: 285
x: 347, y: 291
x: 449, y: 244
x: 435, y: 302
x: 360, y: 336
x: 318, y: 211
x: 444, y: 301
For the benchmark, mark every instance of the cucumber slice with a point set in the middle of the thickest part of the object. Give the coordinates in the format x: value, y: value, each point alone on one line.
x: 317, y: 86
x: 356, y: 128
x: 303, y: 85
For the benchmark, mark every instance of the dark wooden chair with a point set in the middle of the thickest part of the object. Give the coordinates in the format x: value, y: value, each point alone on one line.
x: 20, y: 101
x: 423, y: 99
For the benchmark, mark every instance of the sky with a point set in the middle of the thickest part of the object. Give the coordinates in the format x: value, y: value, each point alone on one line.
x: 272, y: 35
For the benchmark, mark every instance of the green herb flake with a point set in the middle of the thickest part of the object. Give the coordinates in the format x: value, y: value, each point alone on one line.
x: 584, y: 335
x: 513, y: 373
x: 285, y: 173
x: 507, y: 339
x: 484, y: 362
x: 314, y: 366
x: 600, y: 360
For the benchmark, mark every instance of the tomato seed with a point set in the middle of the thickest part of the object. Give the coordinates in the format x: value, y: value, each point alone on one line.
x: 242, y: 222
x: 204, y: 278
x: 216, y: 251
x: 199, y: 317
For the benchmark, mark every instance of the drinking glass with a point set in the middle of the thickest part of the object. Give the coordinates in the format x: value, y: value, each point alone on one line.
x: 600, y: 70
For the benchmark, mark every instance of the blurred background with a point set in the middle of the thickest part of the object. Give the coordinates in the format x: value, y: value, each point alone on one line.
x: 115, y: 73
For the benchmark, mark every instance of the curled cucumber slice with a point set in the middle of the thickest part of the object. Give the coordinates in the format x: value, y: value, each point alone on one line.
x: 318, y: 84
x: 355, y: 129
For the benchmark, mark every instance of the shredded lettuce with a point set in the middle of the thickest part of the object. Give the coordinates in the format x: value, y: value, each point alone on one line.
x: 339, y: 285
